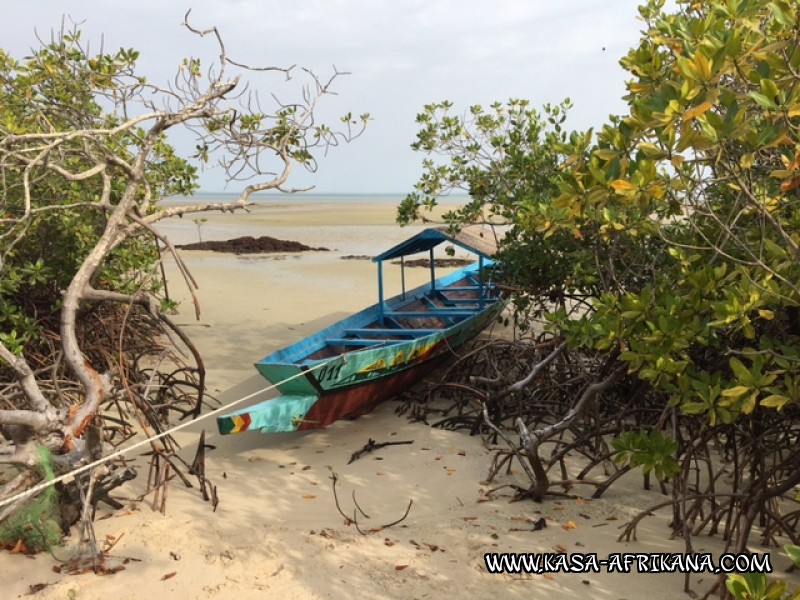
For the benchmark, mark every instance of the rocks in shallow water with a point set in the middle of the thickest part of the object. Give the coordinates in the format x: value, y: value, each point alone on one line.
x: 356, y: 257
x: 438, y: 262
x: 419, y: 262
x: 251, y: 245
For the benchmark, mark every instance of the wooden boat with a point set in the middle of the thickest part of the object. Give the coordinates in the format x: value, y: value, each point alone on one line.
x: 346, y: 369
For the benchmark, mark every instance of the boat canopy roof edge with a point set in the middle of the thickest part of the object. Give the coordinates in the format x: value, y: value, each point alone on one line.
x: 473, y: 238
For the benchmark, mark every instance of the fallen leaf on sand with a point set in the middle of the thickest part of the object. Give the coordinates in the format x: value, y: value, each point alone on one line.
x: 470, y: 518
x: 521, y: 520
x: 569, y: 525
x: 309, y: 497
x: 388, y: 542
x: 400, y: 567
x: 169, y: 576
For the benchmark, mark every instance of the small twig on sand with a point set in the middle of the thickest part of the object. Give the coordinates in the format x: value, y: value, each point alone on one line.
x: 408, y: 510
x: 372, y: 445
x: 354, y: 519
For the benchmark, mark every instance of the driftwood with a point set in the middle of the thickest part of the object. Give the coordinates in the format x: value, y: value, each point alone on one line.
x: 354, y: 519
x: 198, y: 469
x: 372, y: 445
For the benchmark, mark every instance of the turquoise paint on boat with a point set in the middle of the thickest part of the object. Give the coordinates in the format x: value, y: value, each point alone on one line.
x: 284, y: 413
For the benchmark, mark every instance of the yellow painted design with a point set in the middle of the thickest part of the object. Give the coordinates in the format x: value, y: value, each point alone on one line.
x: 298, y: 420
x: 417, y: 352
x: 238, y: 424
x: 398, y: 359
x: 378, y: 365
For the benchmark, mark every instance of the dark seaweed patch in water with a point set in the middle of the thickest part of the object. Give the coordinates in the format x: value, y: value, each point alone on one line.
x: 250, y: 245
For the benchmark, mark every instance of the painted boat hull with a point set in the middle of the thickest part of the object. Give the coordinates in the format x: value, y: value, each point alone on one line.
x: 322, y: 382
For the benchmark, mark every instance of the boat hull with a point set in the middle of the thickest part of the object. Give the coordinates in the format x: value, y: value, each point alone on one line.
x: 360, y: 399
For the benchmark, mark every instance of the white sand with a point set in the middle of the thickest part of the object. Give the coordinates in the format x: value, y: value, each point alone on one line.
x: 277, y: 532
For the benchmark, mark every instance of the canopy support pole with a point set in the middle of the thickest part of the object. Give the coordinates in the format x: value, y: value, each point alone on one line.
x: 380, y: 291
x: 433, y: 272
x: 403, y: 275
x: 482, y: 285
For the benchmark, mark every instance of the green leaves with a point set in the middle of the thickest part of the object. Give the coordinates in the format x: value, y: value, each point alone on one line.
x: 60, y: 87
x: 499, y: 155
x: 675, y: 225
x: 756, y: 586
x: 653, y: 451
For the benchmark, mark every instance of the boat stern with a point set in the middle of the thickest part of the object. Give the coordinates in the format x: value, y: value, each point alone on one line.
x: 284, y: 413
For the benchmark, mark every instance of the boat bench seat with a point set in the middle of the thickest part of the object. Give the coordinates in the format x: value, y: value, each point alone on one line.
x: 435, y: 313
x: 353, y: 342
x: 398, y: 332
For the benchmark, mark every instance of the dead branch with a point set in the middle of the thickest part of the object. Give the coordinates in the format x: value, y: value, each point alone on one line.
x: 354, y: 519
x: 372, y: 445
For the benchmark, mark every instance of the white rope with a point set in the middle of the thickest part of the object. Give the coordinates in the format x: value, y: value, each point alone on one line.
x: 45, y: 484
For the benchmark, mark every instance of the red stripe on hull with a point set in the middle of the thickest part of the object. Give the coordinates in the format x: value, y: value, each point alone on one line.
x: 360, y: 399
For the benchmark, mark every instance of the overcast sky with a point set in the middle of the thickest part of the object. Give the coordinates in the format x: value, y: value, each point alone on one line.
x: 402, y: 54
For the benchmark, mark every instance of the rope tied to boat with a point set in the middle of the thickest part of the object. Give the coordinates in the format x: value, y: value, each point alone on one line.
x: 118, y: 453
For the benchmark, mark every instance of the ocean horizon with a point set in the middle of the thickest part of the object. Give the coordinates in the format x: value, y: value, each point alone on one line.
x: 307, y: 198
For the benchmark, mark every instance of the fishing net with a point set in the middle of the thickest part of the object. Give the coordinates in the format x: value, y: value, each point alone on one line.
x: 37, y: 522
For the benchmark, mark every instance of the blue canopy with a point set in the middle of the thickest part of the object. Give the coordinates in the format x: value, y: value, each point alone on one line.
x: 473, y: 238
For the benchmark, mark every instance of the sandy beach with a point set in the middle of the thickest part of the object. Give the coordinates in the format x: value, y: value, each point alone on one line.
x: 277, y: 532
